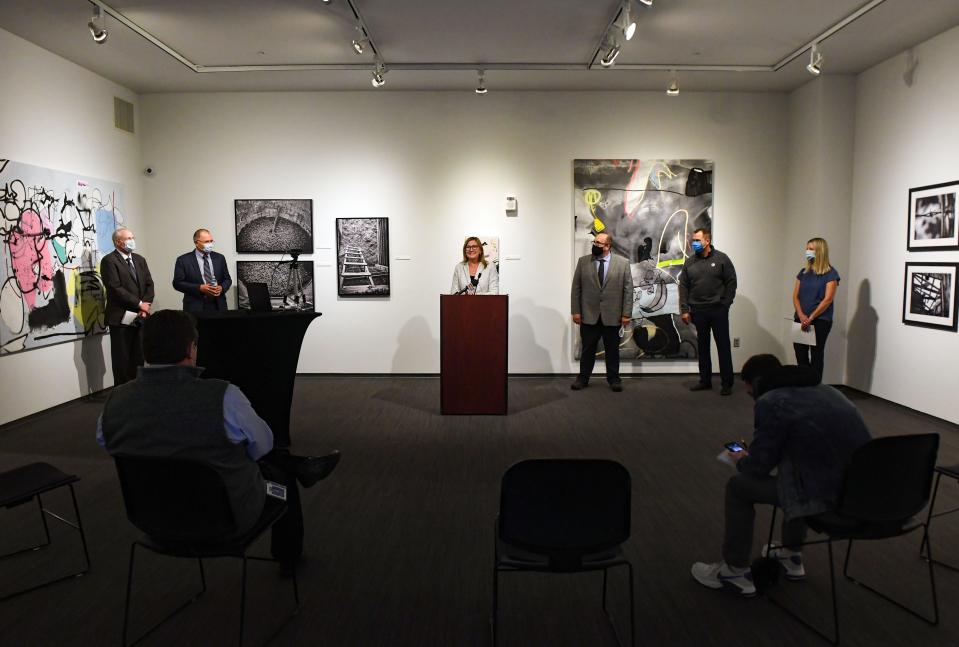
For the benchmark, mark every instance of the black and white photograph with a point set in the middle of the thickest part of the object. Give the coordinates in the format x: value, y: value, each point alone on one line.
x: 289, y: 283
x: 929, y: 295
x: 273, y: 226
x: 363, y: 257
x: 932, y: 217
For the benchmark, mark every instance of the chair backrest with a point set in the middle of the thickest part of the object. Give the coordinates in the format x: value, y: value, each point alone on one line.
x: 565, y: 507
x: 889, y: 479
x: 175, y: 500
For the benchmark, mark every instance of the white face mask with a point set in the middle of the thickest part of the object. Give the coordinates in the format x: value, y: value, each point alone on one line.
x: 810, y: 255
x: 129, y: 245
x: 207, y: 247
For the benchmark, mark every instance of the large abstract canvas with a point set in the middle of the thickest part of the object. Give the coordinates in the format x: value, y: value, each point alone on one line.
x: 651, y: 208
x: 363, y: 257
x: 56, y: 227
x: 273, y: 226
x: 290, y: 285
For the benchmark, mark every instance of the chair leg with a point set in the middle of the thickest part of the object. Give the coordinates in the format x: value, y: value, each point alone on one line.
x: 126, y: 603
x: 832, y: 586
x: 43, y: 518
x: 604, y: 588
x: 932, y: 581
x: 494, y: 614
x: 242, y: 602
x: 632, y: 607
x: 83, y: 535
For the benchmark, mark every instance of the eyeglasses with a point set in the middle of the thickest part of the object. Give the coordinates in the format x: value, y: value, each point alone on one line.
x: 471, y: 247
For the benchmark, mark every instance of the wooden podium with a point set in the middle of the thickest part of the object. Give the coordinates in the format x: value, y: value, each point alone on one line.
x: 473, y: 352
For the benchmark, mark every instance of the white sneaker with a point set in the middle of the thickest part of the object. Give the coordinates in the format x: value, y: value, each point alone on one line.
x: 718, y: 575
x: 790, y: 560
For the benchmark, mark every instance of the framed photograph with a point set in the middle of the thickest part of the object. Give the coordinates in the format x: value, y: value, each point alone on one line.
x: 929, y: 295
x: 932, y: 217
x: 363, y: 257
x: 290, y: 284
x: 273, y: 226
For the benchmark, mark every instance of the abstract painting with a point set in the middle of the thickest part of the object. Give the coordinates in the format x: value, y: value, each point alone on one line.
x: 273, y: 226
x: 932, y: 217
x: 290, y: 285
x: 929, y: 295
x: 650, y: 208
x: 490, y: 249
x: 363, y: 257
x: 56, y: 227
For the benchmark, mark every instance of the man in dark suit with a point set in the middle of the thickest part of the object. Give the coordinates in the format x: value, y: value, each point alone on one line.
x: 129, y: 286
x: 202, y: 275
x: 602, y: 302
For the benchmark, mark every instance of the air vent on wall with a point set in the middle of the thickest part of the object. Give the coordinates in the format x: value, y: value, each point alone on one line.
x: 123, y: 114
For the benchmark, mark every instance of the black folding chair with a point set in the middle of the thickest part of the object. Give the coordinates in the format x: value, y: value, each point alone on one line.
x: 563, y: 516
x: 950, y: 471
x: 23, y: 484
x: 184, y: 511
x: 885, y: 486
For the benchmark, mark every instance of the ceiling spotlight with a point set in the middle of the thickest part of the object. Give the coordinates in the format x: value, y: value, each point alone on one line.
x: 610, y: 56
x: 97, y: 26
x: 673, y: 89
x: 327, y: 1
x: 629, y: 25
x: 379, y: 75
x: 360, y: 41
x: 815, y: 61
x: 481, y: 87
x: 648, y: 3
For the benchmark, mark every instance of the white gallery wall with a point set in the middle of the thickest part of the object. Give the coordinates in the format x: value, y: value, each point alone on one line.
x: 58, y: 115
x: 819, y: 200
x: 906, y: 137
x: 439, y: 165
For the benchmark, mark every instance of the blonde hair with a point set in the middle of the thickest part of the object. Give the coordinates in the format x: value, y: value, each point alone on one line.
x: 482, y: 257
x: 819, y: 265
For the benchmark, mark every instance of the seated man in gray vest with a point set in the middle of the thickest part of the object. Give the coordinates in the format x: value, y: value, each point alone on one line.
x: 168, y: 411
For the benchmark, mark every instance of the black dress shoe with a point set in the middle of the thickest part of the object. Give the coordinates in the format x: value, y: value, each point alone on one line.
x: 617, y: 387
x: 316, y: 468
x: 699, y: 386
x: 726, y: 390
x: 578, y: 386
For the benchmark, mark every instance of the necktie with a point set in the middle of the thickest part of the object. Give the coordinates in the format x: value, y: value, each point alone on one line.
x: 133, y: 270
x: 602, y: 270
x: 207, y: 271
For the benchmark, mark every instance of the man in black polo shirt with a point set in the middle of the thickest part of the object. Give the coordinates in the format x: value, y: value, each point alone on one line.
x: 707, y: 288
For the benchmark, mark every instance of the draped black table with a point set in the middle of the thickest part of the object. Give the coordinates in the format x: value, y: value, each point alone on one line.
x: 258, y: 352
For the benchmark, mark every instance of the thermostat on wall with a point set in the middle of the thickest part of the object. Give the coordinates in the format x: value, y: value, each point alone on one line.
x: 510, y: 205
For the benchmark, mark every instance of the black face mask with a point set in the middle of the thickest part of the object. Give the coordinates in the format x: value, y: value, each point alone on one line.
x: 598, y: 251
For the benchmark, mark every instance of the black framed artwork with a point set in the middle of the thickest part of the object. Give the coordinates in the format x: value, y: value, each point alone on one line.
x: 289, y: 283
x: 932, y: 218
x: 929, y: 295
x: 273, y: 226
x: 363, y: 257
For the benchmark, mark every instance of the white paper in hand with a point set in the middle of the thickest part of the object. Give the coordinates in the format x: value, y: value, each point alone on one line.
x: 129, y: 318
x: 800, y: 336
x: 723, y: 457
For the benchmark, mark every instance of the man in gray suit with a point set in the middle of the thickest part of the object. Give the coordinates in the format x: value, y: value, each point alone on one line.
x: 602, y: 302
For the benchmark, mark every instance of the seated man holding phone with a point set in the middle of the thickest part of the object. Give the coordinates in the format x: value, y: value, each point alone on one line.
x: 168, y: 411
x: 807, y: 432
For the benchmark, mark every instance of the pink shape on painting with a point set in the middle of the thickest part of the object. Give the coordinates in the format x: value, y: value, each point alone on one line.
x: 30, y: 257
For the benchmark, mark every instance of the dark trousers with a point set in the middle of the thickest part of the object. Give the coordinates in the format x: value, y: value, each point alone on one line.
x: 715, y: 320
x: 803, y: 352
x: 126, y: 353
x: 743, y: 491
x: 286, y: 542
x: 590, y: 334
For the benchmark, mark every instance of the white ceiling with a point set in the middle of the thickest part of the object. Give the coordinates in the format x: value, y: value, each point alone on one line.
x: 491, y: 34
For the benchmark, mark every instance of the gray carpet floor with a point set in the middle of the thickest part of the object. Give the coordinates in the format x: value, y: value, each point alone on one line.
x: 399, y: 539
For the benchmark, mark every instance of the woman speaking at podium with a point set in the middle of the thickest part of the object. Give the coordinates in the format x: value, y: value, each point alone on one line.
x: 474, y: 274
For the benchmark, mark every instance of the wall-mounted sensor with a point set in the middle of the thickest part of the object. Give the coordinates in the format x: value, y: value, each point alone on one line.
x: 148, y: 171
x: 510, y: 205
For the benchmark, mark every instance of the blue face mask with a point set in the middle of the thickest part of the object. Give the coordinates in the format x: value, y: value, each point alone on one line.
x: 207, y: 247
x: 810, y: 255
x: 129, y: 245
x: 697, y: 246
